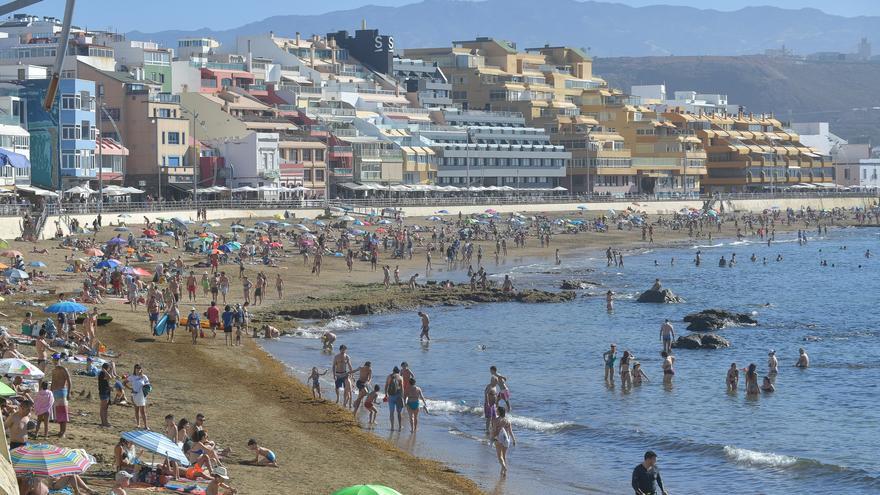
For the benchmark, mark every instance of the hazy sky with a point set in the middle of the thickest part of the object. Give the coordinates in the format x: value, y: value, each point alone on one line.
x: 157, y: 15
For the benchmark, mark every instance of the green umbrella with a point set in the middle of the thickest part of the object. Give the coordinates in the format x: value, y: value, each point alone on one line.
x: 367, y: 490
x: 6, y: 390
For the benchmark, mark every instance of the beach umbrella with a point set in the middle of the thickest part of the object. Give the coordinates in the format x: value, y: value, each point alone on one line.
x: 381, y: 230
x: 7, y: 391
x: 19, y: 367
x: 275, y: 244
x: 4, y: 244
x: 302, y: 228
x: 38, y: 264
x: 346, y: 218
x: 234, y: 246
x: 367, y: 490
x: 443, y: 212
x: 121, y: 229
x: 358, y: 222
x: 491, y: 210
x: 320, y: 223
x: 157, y: 444
x: 582, y: 207
x: 10, y: 253
x: 94, y: 252
x: 211, y: 224
x: 117, y: 240
x: 237, y: 228
x: 66, y: 307
x: 434, y: 219
x: 385, y: 222
x: 49, y: 460
x: 15, y: 273
x: 150, y: 232
x: 136, y: 271
x: 123, y: 215
x: 279, y: 216
x: 357, y: 232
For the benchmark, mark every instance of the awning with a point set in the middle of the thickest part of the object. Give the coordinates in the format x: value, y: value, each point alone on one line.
x: 36, y: 190
x: 17, y: 160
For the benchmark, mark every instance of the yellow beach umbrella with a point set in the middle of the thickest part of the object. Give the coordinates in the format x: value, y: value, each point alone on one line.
x: 4, y: 244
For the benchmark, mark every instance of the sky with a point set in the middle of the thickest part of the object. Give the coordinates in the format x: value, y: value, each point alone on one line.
x: 158, y: 15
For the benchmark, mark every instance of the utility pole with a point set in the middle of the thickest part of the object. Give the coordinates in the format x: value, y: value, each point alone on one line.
x: 100, y: 134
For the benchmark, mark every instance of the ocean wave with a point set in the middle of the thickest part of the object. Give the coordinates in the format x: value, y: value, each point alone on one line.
x: 700, y: 246
x: 755, y: 458
x: 335, y: 325
x: 519, y: 421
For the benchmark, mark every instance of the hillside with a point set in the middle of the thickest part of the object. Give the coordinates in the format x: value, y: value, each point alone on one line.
x: 843, y: 93
x: 608, y: 29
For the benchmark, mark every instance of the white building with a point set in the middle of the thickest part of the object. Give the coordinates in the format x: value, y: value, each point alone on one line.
x: 14, y: 138
x: 254, y: 159
x: 818, y: 135
x: 655, y: 95
x: 22, y: 72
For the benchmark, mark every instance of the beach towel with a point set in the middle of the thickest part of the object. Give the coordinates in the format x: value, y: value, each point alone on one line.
x: 60, y: 408
x: 187, y: 486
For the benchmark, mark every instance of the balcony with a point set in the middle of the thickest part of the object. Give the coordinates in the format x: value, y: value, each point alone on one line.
x: 340, y: 151
x: 163, y: 98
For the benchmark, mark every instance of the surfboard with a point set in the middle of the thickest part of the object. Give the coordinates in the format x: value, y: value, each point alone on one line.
x: 161, y: 325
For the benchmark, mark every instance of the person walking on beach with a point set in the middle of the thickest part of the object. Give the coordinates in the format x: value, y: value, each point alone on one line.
x: 414, y: 399
x: 140, y: 387
x: 428, y: 265
x: 394, y: 397
x: 426, y: 326
x: 194, y: 325
x: 646, y: 477
x: 104, y: 389
x: 503, y: 437
x: 667, y: 333
x: 500, y: 381
x: 341, y: 369
x: 609, y: 357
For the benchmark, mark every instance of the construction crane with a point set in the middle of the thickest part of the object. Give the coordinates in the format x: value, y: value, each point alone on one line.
x: 9, y: 7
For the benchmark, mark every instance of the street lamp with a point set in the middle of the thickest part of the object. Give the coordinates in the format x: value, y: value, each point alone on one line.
x: 196, y: 152
x: 103, y: 110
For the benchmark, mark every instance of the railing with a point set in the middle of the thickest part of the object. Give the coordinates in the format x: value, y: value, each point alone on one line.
x: 340, y: 149
x: 449, y: 199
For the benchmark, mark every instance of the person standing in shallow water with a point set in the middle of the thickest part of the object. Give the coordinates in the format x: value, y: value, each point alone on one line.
x: 646, y: 478
x: 609, y: 357
x: 503, y: 437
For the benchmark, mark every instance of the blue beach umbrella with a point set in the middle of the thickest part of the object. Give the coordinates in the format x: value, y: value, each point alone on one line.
x: 66, y: 307
x: 14, y: 273
x: 121, y: 229
x: 38, y: 264
x: 108, y: 264
x: 385, y: 222
x: 157, y: 444
x: 117, y: 240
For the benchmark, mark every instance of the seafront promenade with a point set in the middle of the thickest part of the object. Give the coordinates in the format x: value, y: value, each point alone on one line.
x: 136, y: 212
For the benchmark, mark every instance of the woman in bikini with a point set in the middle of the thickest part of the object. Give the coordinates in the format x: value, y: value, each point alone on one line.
x: 668, y: 370
x: 623, y: 368
x: 502, y: 435
x: 752, y: 380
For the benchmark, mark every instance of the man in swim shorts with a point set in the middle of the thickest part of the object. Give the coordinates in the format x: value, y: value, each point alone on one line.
x: 394, y: 397
x: 667, y: 333
x: 341, y: 369
x: 426, y: 324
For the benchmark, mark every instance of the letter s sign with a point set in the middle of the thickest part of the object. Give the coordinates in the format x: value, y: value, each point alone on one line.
x: 377, y: 43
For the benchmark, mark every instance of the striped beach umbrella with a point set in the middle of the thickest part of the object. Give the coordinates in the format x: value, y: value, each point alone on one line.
x: 157, y: 444
x: 19, y: 367
x: 49, y: 460
x: 367, y: 490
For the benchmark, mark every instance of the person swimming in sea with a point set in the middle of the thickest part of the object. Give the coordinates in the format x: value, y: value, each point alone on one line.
x: 609, y: 301
x: 767, y: 386
x: 732, y: 377
x: 803, y: 360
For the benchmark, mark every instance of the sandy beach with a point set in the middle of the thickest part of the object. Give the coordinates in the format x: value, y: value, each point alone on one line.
x: 245, y: 393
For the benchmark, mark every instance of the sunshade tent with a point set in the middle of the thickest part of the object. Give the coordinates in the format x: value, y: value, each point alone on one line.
x: 66, y: 307
x: 37, y: 264
x: 157, y: 444
x: 49, y: 460
x: 7, y: 391
x: 16, y: 274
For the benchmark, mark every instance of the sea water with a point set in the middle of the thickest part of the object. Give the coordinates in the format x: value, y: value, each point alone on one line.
x: 818, y: 433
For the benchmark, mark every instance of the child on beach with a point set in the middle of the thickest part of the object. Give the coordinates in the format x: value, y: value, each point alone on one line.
x: 637, y: 374
x: 371, y: 403
x: 316, y: 383
x: 123, y: 480
x: 43, y: 401
x: 217, y: 482
x: 265, y: 457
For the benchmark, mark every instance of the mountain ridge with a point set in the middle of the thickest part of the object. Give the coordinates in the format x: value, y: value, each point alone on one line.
x: 611, y: 29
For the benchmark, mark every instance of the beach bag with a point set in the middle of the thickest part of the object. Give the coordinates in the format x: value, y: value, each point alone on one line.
x: 147, y: 389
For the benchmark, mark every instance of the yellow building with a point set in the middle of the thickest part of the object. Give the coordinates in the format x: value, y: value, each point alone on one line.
x: 752, y: 153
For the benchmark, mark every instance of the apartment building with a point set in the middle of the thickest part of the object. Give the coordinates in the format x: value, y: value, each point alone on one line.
x: 14, y: 144
x: 303, y: 162
x: 425, y: 83
x: 152, y: 126
x: 146, y: 59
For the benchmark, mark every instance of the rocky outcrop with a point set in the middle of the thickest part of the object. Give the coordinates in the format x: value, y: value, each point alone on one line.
x: 382, y: 301
x: 715, y: 319
x: 663, y: 296
x: 700, y: 341
x: 577, y: 284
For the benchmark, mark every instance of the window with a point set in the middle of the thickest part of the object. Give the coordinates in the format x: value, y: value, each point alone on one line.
x: 307, y: 174
x: 173, y: 161
x: 173, y: 138
x: 164, y: 113
x: 69, y: 132
x: 319, y: 175
x: 307, y: 155
x: 69, y: 102
x: 319, y: 155
x: 68, y: 159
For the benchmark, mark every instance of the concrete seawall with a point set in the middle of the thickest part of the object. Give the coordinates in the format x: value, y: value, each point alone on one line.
x: 10, y: 226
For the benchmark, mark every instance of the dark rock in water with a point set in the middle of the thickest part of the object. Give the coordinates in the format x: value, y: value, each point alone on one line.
x: 663, y: 296
x: 714, y: 341
x: 700, y: 341
x: 716, y: 319
x: 577, y: 284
